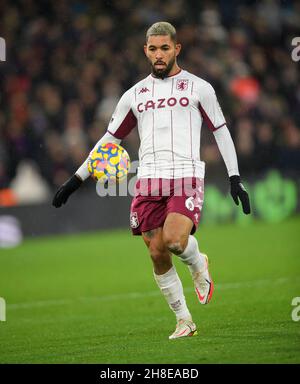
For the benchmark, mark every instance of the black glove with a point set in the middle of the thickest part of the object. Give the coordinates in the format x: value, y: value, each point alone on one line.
x: 66, y: 190
x: 237, y: 190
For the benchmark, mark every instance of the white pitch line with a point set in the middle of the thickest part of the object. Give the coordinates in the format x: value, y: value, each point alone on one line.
x: 138, y: 295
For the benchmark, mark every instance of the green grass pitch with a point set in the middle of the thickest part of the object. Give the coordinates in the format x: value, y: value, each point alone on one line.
x: 91, y: 298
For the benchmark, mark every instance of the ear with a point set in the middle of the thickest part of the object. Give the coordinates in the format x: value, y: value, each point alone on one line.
x: 145, y: 49
x: 177, y: 49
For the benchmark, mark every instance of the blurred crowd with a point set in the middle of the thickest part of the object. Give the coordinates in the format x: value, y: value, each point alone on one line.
x: 68, y: 63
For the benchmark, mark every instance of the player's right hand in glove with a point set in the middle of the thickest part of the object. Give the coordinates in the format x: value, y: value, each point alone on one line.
x: 66, y: 190
x: 238, y: 191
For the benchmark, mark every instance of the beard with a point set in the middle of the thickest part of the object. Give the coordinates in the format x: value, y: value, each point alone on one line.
x: 162, y: 73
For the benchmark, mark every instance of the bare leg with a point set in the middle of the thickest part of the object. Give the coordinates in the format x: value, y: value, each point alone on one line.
x: 165, y: 274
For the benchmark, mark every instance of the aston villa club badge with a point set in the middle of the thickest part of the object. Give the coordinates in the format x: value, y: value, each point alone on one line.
x: 134, y: 222
x: 182, y: 85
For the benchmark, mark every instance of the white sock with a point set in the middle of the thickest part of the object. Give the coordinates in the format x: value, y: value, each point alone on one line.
x: 171, y: 287
x: 192, y: 257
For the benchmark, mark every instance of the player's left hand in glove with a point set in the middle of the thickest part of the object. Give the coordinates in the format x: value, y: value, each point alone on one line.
x: 66, y: 190
x: 238, y: 191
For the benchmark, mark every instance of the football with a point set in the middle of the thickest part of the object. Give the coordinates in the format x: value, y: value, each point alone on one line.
x: 109, y: 163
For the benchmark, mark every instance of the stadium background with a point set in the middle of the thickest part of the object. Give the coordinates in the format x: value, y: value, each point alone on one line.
x: 67, y: 64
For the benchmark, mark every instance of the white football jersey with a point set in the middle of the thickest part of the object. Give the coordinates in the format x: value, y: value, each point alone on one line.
x: 168, y: 114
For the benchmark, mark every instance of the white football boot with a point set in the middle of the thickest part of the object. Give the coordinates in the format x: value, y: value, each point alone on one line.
x: 204, y: 286
x: 184, y: 328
